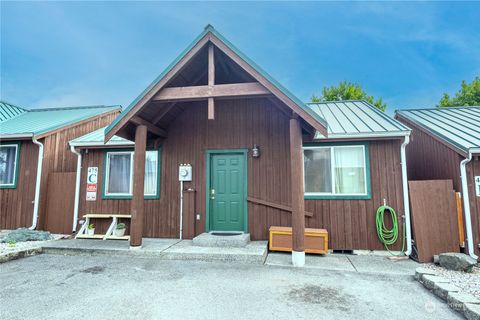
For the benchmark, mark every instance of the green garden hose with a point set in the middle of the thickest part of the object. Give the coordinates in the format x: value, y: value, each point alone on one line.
x: 388, y: 236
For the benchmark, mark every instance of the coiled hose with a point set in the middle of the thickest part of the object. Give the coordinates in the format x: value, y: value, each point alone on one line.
x: 388, y: 236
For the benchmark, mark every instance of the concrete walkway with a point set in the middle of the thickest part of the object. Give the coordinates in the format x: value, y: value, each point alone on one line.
x: 169, y: 249
x: 349, y: 263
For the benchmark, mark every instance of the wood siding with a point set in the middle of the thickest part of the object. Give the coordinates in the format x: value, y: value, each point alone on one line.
x: 473, y: 169
x: 430, y: 159
x: 59, y: 158
x: 239, y: 124
x: 16, y: 205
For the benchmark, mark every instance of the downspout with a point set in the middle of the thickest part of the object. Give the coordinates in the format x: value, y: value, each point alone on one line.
x: 36, y: 201
x: 77, y: 188
x: 406, y: 200
x: 466, y: 205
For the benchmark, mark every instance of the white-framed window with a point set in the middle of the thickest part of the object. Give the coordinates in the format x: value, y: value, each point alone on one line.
x: 336, y: 171
x: 8, y: 165
x: 119, y: 174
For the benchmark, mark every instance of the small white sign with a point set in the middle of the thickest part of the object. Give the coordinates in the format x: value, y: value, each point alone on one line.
x: 92, y: 178
x: 477, y: 185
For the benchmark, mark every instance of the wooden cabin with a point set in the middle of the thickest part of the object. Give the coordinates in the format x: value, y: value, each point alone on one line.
x: 445, y: 144
x: 259, y: 156
x: 36, y: 163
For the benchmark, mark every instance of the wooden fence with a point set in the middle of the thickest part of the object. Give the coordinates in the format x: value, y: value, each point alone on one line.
x: 60, y: 202
x: 434, y: 216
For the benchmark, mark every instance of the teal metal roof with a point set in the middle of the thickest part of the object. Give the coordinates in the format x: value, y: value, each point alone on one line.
x: 356, y: 119
x: 210, y: 29
x: 9, y: 111
x: 39, y: 121
x: 457, y: 126
x: 97, y: 138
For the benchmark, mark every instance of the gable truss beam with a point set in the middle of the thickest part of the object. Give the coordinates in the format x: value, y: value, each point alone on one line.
x: 150, y: 126
x: 216, y: 91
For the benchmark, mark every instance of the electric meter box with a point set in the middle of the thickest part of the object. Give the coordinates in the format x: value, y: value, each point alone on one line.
x: 185, y: 172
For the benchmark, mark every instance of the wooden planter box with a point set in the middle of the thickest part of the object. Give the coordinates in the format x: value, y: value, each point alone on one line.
x: 316, y: 240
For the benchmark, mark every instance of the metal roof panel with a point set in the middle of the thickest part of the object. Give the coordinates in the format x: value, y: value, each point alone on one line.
x: 458, y: 126
x: 40, y: 121
x: 356, y: 119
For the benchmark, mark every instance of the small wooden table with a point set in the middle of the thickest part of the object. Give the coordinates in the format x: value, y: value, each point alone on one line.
x: 82, y: 233
x: 316, y: 240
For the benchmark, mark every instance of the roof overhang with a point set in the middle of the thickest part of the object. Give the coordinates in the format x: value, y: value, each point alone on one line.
x: 96, y: 144
x: 474, y: 151
x: 211, y: 35
x: 365, y: 136
x: 17, y: 136
x: 438, y: 137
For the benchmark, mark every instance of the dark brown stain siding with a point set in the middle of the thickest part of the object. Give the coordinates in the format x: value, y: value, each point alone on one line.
x: 429, y: 159
x: 239, y: 124
x: 16, y: 205
x: 473, y: 169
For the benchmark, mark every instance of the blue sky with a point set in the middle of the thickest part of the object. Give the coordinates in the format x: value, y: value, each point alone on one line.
x: 72, y: 53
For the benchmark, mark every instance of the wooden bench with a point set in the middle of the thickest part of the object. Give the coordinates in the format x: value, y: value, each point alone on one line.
x: 316, y: 240
x: 82, y: 233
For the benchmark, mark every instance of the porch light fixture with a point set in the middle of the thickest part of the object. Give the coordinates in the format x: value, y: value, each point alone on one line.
x: 255, y: 151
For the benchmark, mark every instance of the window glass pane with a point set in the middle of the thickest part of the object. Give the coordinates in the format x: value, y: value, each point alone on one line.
x: 119, y: 173
x: 349, y: 170
x: 151, y: 167
x: 8, y: 156
x: 318, y: 172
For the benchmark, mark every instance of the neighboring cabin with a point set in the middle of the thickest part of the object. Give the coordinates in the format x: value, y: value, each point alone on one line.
x: 260, y: 156
x: 442, y: 140
x: 26, y: 134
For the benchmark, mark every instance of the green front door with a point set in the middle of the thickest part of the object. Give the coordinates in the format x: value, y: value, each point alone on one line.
x: 227, y: 194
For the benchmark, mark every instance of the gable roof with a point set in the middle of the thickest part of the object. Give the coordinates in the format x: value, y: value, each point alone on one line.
x: 9, y: 111
x: 356, y: 119
x: 97, y: 139
x: 37, y: 122
x: 210, y: 34
x: 458, y: 127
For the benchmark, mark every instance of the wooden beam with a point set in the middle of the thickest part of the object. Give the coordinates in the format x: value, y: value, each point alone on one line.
x: 322, y: 128
x: 150, y: 126
x: 297, y: 187
x: 153, y: 90
x: 275, y: 205
x: 163, y: 112
x: 211, y: 81
x: 217, y: 91
x: 136, y: 228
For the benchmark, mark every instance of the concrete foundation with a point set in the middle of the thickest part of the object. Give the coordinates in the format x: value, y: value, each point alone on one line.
x: 217, y: 240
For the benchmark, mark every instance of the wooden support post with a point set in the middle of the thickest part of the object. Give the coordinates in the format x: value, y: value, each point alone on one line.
x: 297, y: 190
x: 136, y: 228
x: 211, y: 81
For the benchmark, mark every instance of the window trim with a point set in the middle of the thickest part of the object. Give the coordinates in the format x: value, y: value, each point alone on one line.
x: 128, y: 196
x: 332, y: 195
x: 17, y: 164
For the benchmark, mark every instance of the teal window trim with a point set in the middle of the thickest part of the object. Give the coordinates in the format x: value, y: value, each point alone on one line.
x: 17, y: 145
x: 366, y: 196
x: 107, y: 196
x: 208, y: 155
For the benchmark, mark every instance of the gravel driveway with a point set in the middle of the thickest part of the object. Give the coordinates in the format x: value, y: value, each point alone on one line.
x: 103, y: 287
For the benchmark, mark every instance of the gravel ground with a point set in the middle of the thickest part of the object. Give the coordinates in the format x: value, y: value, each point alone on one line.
x: 468, y: 282
x: 6, y: 248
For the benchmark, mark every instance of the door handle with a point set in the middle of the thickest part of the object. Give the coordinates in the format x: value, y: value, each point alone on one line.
x: 212, y: 194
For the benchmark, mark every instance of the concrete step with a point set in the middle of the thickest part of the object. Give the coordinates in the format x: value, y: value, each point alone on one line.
x: 222, y: 240
x: 167, y: 249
